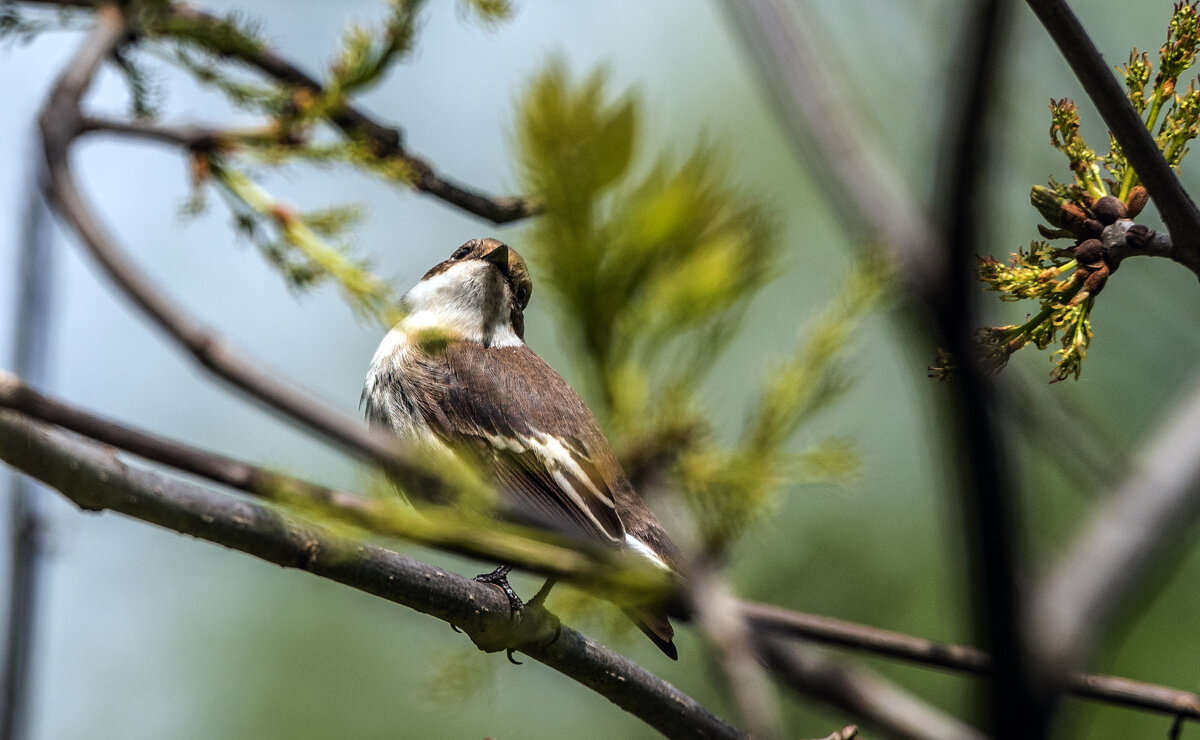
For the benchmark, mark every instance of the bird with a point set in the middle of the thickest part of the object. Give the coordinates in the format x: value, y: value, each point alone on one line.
x: 478, y: 389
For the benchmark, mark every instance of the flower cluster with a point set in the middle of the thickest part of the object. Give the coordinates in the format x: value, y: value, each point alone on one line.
x: 1103, y: 190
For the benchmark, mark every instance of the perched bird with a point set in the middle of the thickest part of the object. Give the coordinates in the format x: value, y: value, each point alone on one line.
x: 481, y: 391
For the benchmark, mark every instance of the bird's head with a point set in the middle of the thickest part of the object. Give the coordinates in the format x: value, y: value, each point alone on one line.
x: 479, y: 294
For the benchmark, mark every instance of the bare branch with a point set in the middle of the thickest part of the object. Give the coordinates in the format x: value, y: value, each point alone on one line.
x: 875, y: 204
x: 933, y: 262
x: 718, y: 614
x: 862, y: 694
x: 831, y: 631
x: 614, y: 573
x: 93, y: 477
x: 1175, y: 206
x: 376, y: 516
x: 1142, y: 517
x: 26, y: 521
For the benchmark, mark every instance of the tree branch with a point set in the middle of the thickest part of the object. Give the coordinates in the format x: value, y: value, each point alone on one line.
x: 718, y: 614
x: 1175, y: 206
x: 861, y: 694
x: 615, y: 573
x: 93, y: 477
x: 374, y: 516
x: 1138, y: 522
x: 385, y: 142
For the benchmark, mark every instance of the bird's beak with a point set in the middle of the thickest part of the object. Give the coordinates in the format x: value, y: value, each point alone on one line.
x: 499, y: 258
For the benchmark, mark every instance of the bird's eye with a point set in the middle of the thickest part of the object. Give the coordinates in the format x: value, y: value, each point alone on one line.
x: 461, y: 252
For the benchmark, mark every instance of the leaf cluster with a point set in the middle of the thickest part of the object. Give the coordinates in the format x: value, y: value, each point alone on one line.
x: 652, y: 265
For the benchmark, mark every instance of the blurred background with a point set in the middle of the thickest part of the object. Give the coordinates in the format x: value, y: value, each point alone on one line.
x: 144, y: 633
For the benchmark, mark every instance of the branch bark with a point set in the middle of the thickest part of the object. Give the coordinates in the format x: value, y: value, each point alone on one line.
x: 95, y: 479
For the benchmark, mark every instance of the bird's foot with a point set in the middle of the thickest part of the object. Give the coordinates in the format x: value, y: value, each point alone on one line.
x: 499, y: 579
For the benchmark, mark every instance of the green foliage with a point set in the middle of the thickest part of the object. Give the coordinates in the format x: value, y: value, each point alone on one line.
x: 1080, y: 210
x: 652, y: 272
x: 365, y: 54
x: 294, y: 243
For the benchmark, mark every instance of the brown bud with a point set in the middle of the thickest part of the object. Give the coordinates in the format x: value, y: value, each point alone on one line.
x: 1092, y: 229
x: 1095, y: 282
x: 1071, y: 216
x: 1108, y: 209
x: 1138, y: 197
x: 1138, y: 236
x: 1091, y: 253
x: 1050, y: 233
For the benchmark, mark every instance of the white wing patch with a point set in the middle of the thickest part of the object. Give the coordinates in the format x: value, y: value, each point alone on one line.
x: 641, y: 548
x: 564, y: 467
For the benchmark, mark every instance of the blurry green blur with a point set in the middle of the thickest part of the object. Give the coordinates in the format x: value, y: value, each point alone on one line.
x: 149, y: 634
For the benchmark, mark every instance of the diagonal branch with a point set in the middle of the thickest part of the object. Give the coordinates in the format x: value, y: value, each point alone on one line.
x: 372, y: 516
x: 61, y: 123
x: 614, y: 573
x: 1137, y: 524
x: 861, y: 693
x: 1175, y: 206
x: 93, y: 477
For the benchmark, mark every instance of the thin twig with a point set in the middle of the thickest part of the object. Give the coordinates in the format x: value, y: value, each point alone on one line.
x: 831, y: 631
x: 385, y: 142
x: 1176, y: 207
x: 979, y: 449
x: 93, y: 477
x: 880, y: 212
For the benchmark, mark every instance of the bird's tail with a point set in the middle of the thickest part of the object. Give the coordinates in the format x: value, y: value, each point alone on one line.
x: 657, y: 627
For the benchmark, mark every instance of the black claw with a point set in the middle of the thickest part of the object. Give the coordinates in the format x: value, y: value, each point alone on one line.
x: 455, y: 628
x: 499, y: 577
x: 511, y: 659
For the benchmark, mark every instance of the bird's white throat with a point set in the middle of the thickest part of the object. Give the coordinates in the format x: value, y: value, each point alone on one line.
x: 468, y: 300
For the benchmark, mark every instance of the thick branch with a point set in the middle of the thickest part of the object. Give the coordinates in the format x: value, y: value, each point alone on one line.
x: 373, y: 516
x: 615, y: 573
x: 1175, y: 206
x: 92, y: 477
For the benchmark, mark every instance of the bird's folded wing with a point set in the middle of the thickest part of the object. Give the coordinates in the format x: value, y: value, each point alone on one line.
x: 550, y: 456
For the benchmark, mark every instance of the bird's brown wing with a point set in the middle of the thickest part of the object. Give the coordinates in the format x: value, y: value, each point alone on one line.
x: 549, y: 455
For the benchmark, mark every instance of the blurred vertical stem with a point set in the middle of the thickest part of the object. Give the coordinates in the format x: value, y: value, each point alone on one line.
x: 30, y: 345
